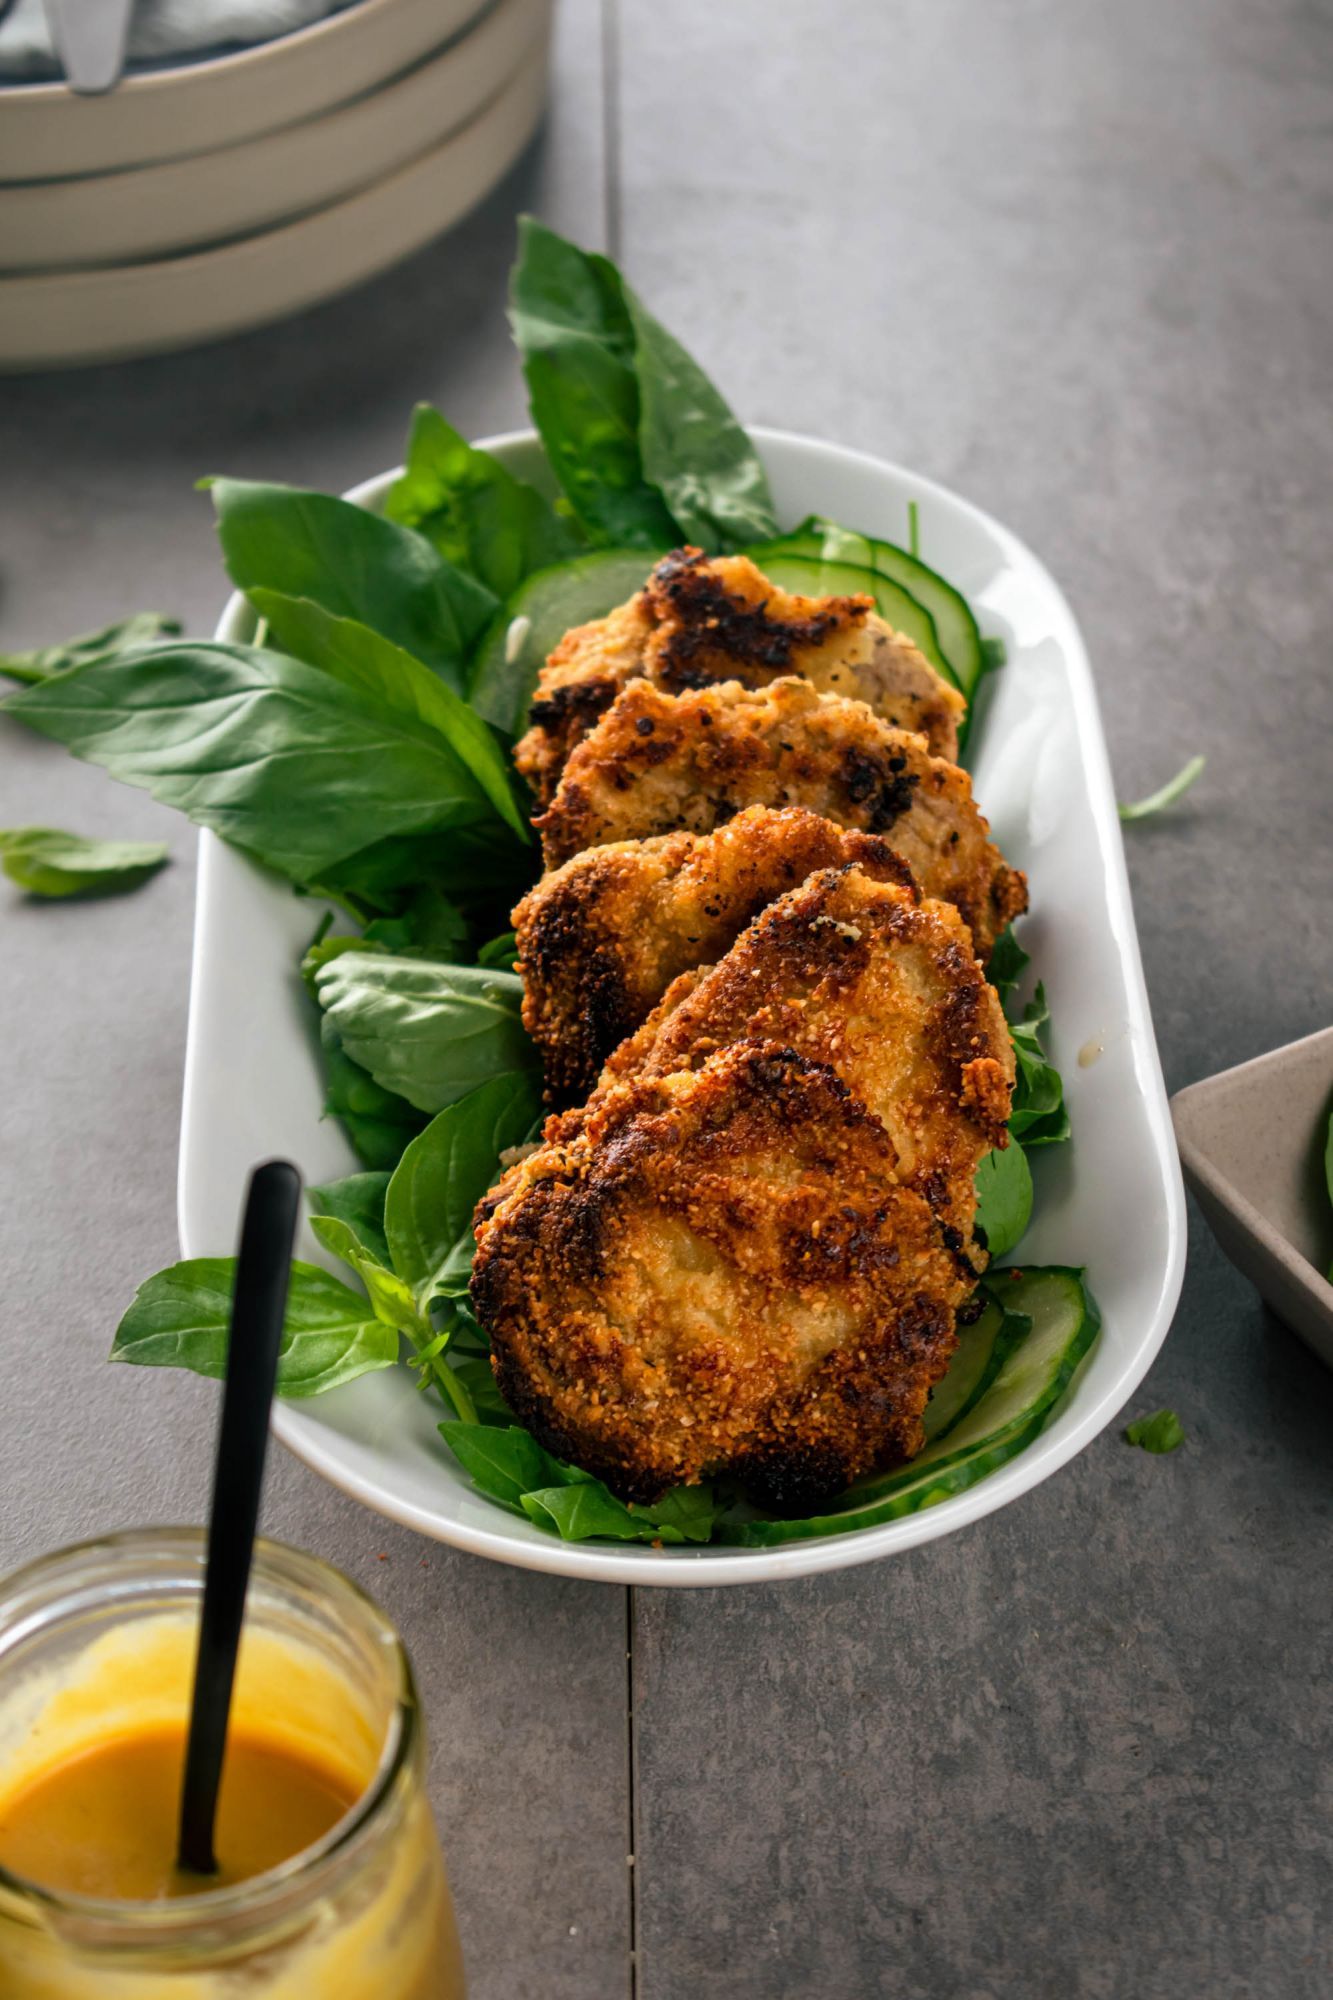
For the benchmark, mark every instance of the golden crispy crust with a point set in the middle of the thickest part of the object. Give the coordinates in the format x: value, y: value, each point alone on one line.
x: 745, y: 1252
x: 657, y: 761
x: 859, y: 975
x: 700, y: 620
x: 719, y: 1273
x: 601, y: 938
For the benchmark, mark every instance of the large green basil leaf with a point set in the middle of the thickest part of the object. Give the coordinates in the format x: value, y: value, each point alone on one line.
x: 356, y: 565
x: 693, y: 449
x: 372, y: 666
x: 428, y: 1032
x: 357, y: 1200
x: 473, y: 510
x: 443, y: 1175
x: 280, y: 757
x: 574, y: 331
x: 181, y: 1317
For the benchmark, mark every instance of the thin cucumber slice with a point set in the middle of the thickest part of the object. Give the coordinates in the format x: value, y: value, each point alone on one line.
x: 982, y: 1349
x: 956, y: 628
x: 811, y: 576
x: 535, y: 620
x: 998, y: 1425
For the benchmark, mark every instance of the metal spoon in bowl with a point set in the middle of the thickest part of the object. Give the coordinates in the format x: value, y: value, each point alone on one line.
x: 90, y: 37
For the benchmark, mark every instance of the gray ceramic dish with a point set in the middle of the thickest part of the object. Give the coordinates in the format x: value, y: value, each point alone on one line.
x: 1252, y: 1145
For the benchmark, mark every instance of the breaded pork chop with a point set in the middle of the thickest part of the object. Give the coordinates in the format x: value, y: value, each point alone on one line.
x: 858, y: 974
x: 657, y: 761
x: 601, y: 939
x: 719, y: 1273
x: 699, y: 620
x: 744, y: 1254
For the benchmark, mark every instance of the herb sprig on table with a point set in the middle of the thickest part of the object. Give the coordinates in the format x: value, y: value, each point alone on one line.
x: 359, y: 747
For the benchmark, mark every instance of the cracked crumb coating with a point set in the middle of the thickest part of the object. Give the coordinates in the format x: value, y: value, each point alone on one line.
x: 658, y: 761
x: 601, y: 938
x: 720, y: 1273
x: 746, y: 1252
x: 699, y: 620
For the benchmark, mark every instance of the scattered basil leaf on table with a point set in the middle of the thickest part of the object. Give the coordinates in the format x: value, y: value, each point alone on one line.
x: 43, y: 661
x: 429, y: 1032
x: 1160, y: 1432
x: 1173, y: 789
x: 444, y: 1173
x: 356, y: 565
x: 473, y: 510
x: 47, y: 862
x: 1004, y: 1198
x: 371, y: 666
x: 279, y: 757
x: 357, y: 1200
x: 180, y: 1319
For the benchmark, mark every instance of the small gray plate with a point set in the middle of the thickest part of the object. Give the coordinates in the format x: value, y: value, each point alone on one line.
x: 1252, y: 1145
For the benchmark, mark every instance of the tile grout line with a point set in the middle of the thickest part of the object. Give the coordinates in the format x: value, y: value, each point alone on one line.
x: 611, y: 125
x: 632, y: 1773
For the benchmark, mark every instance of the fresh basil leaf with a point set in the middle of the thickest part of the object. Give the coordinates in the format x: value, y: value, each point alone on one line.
x: 1038, y: 1116
x: 277, y: 756
x: 580, y: 1513
x: 1004, y: 1198
x: 443, y: 1175
x: 430, y: 1033
x: 392, y: 1299
x: 994, y: 654
x: 473, y: 510
x: 1158, y: 1433
x: 1008, y: 963
x: 356, y: 565
x: 358, y: 1201
x: 377, y: 1121
x: 126, y: 636
x: 180, y: 1319
x: 481, y: 868
x: 693, y: 449
x: 47, y: 862
x: 507, y: 1464
x: 501, y: 952
x: 373, y: 667
x: 574, y: 331
x: 474, y: 1371
x: 430, y: 925
x: 1173, y: 789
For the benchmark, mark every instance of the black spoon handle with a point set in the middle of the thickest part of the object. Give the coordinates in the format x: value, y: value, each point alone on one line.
x: 263, y: 1266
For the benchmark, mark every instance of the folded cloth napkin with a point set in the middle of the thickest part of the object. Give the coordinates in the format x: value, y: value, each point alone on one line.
x: 162, y: 32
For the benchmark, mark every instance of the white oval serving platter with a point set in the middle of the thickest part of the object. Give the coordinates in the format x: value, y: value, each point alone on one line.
x: 1112, y: 1200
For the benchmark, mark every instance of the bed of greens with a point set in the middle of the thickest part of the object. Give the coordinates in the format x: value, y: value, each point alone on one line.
x: 359, y: 748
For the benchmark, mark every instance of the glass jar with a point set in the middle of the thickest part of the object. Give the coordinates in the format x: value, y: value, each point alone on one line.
x: 100, y: 1639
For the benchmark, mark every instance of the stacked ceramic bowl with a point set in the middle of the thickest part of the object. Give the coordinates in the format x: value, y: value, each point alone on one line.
x: 195, y: 200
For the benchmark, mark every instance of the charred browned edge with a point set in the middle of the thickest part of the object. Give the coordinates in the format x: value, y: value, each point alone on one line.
x: 577, y: 1005
x: 881, y: 788
x: 708, y: 619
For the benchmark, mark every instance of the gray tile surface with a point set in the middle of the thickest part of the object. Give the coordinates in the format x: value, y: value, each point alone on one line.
x: 1075, y: 261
